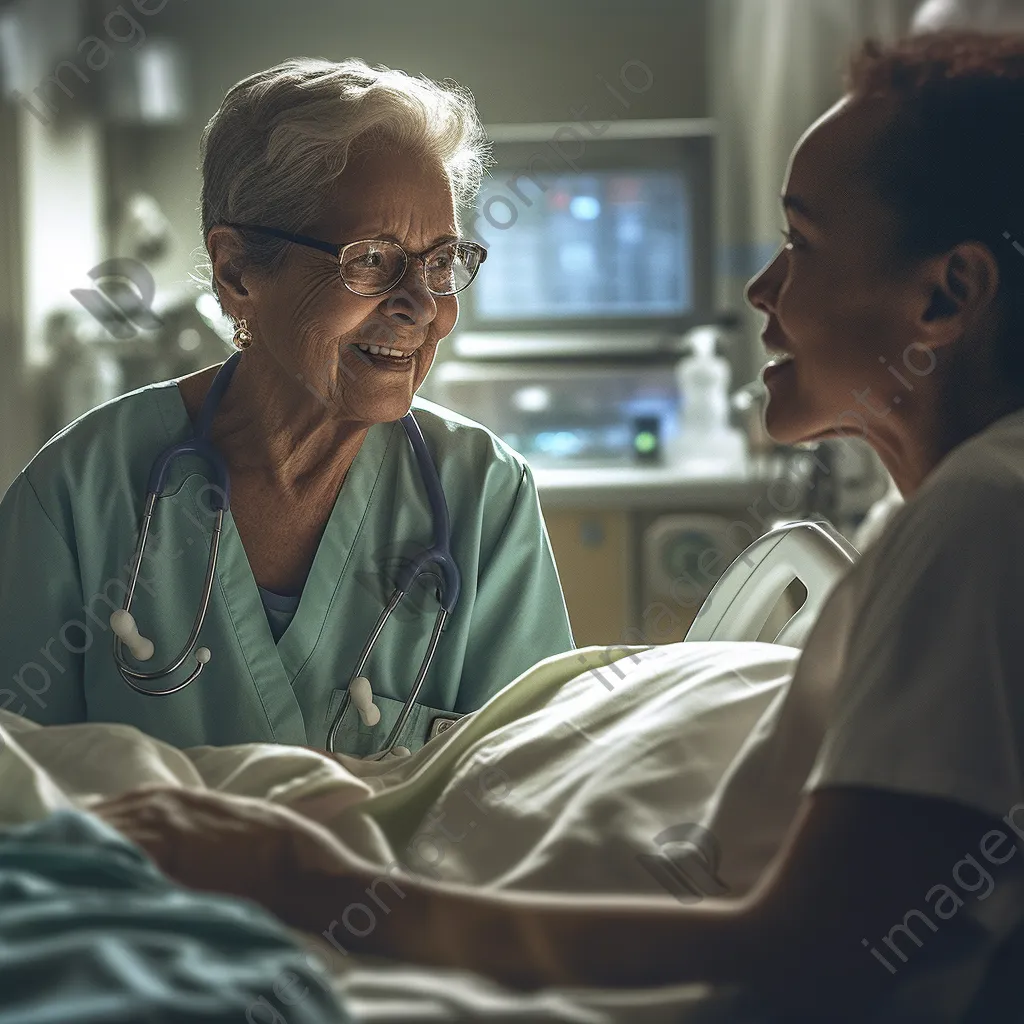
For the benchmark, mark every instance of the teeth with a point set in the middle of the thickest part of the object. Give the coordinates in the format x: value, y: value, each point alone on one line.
x: 380, y: 350
x: 779, y: 358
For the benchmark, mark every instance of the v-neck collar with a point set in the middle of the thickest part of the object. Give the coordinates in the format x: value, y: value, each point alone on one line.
x: 288, y: 658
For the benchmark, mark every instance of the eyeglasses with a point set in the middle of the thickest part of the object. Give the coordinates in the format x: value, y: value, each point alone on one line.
x: 375, y: 266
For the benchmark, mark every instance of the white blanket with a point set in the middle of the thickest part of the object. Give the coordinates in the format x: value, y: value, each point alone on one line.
x: 557, y: 784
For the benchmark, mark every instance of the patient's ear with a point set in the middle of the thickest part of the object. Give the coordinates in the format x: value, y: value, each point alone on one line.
x: 962, y: 285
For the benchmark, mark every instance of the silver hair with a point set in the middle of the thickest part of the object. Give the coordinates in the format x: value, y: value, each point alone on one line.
x: 283, y: 136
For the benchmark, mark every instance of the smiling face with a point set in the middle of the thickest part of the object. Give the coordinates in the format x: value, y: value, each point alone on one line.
x: 841, y: 309
x: 320, y: 333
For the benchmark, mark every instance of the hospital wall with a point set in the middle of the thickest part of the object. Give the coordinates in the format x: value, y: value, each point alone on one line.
x: 528, y: 61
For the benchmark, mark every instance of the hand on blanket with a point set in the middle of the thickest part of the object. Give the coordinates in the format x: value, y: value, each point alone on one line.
x: 228, y: 844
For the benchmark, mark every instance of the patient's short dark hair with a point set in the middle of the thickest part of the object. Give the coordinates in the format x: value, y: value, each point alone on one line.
x: 951, y: 160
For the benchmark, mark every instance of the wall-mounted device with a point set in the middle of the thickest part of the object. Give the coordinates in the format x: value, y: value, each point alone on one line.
x: 597, y: 414
x: 604, y: 253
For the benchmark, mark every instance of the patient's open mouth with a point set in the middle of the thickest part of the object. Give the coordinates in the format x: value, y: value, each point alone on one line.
x: 778, y: 362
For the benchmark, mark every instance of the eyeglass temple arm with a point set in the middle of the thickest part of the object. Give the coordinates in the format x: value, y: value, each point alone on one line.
x: 287, y: 236
x: 333, y: 248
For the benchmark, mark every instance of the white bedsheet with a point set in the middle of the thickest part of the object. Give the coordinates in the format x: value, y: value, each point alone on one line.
x: 557, y: 784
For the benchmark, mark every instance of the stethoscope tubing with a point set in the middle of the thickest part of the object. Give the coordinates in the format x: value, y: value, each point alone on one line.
x: 439, y: 554
x: 132, y: 676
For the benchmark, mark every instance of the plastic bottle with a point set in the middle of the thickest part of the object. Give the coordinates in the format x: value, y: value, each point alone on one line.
x: 706, y: 444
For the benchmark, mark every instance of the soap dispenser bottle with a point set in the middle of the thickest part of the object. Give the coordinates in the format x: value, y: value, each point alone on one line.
x: 706, y: 444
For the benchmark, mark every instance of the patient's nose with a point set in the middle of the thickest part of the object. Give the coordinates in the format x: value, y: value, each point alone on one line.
x: 763, y: 287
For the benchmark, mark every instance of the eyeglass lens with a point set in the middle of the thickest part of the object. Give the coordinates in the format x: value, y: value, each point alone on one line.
x: 373, y: 267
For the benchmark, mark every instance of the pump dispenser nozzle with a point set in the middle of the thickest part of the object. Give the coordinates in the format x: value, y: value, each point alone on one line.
x: 706, y: 443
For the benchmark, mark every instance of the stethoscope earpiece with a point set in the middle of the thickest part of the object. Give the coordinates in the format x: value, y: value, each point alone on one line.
x: 362, y: 698
x: 124, y: 626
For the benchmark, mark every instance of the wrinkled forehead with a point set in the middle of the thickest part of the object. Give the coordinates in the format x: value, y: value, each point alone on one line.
x: 830, y: 165
x: 384, y: 194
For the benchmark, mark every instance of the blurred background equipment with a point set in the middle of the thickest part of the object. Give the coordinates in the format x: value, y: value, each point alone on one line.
x: 979, y: 15
x: 706, y: 443
x: 599, y: 250
x: 121, y: 335
x: 148, y: 85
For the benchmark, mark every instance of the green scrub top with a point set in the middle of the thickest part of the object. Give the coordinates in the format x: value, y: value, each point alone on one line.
x: 68, y: 528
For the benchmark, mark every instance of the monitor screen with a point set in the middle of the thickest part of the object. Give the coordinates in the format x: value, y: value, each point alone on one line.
x: 607, y: 243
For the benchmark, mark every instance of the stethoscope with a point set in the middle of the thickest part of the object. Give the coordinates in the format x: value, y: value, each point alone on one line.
x: 359, y: 692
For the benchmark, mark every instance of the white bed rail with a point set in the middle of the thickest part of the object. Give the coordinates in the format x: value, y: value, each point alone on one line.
x: 748, y: 591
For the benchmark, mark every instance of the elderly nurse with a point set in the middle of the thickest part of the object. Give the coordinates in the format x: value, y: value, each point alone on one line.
x: 330, y: 194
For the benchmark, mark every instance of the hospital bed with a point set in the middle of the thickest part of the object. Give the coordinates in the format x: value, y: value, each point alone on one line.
x: 750, y: 589
x: 739, y: 608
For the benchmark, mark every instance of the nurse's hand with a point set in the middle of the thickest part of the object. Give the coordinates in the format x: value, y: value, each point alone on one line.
x: 230, y: 844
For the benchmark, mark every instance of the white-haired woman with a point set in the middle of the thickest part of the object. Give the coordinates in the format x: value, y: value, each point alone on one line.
x: 330, y: 197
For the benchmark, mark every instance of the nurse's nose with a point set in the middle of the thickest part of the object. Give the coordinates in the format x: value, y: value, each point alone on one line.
x: 411, y: 303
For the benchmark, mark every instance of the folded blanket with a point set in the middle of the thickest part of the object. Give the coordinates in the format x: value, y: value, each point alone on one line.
x: 92, y: 933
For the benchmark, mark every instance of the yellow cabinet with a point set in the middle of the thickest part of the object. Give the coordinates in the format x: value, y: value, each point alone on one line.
x: 593, y: 552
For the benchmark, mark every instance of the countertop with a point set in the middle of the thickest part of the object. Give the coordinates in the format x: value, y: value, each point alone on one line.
x: 627, y: 487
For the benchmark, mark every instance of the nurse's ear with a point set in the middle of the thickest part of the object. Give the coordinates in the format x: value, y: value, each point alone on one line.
x: 224, y: 245
x: 961, y: 287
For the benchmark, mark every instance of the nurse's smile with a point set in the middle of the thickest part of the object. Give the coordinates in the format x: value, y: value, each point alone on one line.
x: 387, y: 358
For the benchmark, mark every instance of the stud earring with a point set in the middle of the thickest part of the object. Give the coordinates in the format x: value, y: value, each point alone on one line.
x: 243, y: 336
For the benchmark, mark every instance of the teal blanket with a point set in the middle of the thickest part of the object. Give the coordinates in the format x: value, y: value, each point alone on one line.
x: 92, y: 933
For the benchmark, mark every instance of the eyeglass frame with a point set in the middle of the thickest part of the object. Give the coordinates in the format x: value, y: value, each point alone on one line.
x: 337, y: 250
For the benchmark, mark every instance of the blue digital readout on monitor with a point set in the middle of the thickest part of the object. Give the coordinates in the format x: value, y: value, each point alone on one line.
x: 610, y: 243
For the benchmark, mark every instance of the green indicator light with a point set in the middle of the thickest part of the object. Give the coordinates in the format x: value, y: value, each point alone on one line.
x: 645, y: 442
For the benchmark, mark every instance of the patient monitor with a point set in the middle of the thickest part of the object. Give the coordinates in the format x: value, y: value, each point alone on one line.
x: 747, y: 593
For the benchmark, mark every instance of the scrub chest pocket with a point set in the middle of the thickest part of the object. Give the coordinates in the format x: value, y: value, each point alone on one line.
x: 356, y: 739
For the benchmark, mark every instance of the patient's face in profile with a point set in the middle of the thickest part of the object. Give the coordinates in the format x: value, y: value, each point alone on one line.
x: 836, y: 298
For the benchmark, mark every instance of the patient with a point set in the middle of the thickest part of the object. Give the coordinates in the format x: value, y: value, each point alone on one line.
x: 896, y: 310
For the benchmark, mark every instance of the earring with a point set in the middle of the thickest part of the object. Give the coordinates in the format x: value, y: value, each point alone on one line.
x: 243, y: 336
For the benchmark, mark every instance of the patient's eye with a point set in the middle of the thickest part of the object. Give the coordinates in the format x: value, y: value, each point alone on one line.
x: 793, y: 239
